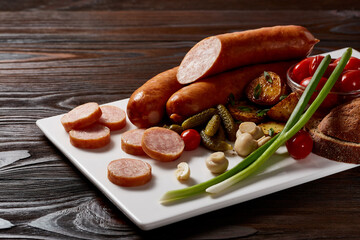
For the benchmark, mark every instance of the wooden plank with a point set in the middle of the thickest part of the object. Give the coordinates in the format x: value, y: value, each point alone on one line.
x: 165, y: 5
x: 51, y: 61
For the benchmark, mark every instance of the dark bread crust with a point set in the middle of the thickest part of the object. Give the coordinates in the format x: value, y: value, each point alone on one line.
x: 343, y: 122
x: 337, y: 136
x: 335, y: 149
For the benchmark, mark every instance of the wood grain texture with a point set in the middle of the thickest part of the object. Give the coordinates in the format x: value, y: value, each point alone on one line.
x: 115, y: 5
x: 54, y: 60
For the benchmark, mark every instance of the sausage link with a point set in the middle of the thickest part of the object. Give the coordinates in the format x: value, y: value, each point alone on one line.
x: 146, y: 106
x: 214, y: 90
x: 227, y: 51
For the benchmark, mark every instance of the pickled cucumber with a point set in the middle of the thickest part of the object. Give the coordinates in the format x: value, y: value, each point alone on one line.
x: 214, y: 144
x: 176, y: 128
x: 228, y: 121
x: 199, y: 119
x: 220, y: 135
x: 213, y: 125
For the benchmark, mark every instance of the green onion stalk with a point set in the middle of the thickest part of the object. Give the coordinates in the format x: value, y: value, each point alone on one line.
x: 255, y: 160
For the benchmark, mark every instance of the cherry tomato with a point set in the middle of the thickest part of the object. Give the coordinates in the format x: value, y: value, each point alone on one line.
x: 330, y: 100
x: 301, y: 70
x: 330, y: 69
x: 300, y: 145
x: 191, y: 139
x: 350, y: 81
x: 352, y: 64
x: 314, y: 64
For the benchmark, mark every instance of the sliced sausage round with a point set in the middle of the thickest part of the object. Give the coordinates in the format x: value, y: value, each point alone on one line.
x: 81, y: 116
x: 162, y: 144
x: 131, y: 141
x: 129, y: 172
x: 112, y: 117
x: 94, y: 136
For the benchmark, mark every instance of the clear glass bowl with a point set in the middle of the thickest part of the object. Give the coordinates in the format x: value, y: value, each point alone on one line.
x: 333, y: 99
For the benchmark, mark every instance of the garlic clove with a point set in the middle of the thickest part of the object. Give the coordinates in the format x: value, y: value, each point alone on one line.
x: 261, y: 141
x: 182, y: 172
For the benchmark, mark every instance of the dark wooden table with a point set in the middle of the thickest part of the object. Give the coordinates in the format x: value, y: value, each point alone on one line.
x: 55, y: 55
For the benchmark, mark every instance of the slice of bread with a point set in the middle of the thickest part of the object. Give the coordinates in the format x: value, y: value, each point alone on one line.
x: 335, y: 149
x: 337, y: 135
x: 343, y: 122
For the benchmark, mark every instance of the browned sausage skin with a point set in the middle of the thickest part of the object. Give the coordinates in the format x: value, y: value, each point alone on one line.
x: 223, y: 52
x: 214, y: 90
x: 146, y: 106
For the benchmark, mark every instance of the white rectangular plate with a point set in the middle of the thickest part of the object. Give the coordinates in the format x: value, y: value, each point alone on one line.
x: 141, y: 204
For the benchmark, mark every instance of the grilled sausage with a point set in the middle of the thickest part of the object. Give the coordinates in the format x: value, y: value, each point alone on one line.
x: 214, y: 90
x: 146, y: 106
x: 227, y: 51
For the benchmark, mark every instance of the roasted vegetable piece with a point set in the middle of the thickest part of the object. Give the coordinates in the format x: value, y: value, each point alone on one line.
x: 228, y: 121
x: 213, y: 125
x: 272, y: 128
x: 266, y: 89
x: 199, y: 119
x: 245, y: 111
x: 214, y: 144
x: 282, y: 111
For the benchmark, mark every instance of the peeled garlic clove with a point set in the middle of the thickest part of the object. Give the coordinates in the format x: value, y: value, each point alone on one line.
x: 182, y: 172
x: 261, y: 141
x: 217, y: 162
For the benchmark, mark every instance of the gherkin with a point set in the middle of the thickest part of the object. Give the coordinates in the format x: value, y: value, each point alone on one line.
x: 213, y: 125
x: 214, y: 144
x: 228, y: 121
x: 199, y: 119
x: 176, y: 128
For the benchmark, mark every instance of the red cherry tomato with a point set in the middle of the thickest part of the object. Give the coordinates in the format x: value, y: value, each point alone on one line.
x: 331, y: 99
x: 300, y: 145
x: 314, y: 64
x: 191, y: 139
x: 330, y: 69
x: 301, y: 70
x: 350, y: 81
x: 352, y: 64
x: 305, y: 82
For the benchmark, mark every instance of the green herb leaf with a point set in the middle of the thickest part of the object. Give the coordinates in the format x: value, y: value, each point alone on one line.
x: 244, y: 108
x: 271, y: 132
x: 267, y: 77
x: 257, y: 91
x: 261, y: 112
x: 231, y: 99
x: 283, y: 97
